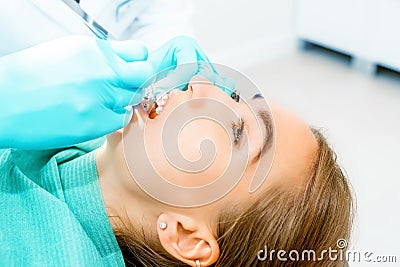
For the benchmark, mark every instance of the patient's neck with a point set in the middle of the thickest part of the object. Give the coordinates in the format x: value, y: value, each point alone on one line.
x: 123, y: 198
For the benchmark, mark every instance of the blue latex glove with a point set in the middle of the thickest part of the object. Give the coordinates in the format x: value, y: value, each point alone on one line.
x: 176, y: 55
x: 69, y: 90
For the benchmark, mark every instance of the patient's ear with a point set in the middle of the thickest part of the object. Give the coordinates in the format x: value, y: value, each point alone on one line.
x: 187, y: 239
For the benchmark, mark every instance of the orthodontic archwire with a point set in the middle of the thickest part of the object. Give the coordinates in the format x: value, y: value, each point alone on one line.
x: 152, y: 95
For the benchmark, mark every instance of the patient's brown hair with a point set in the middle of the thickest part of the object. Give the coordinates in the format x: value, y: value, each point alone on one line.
x: 313, y: 218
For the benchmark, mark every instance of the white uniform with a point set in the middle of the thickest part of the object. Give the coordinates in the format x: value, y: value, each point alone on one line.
x: 24, y: 23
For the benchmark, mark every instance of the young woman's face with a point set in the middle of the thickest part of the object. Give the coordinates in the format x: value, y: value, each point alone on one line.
x: 202, y: 132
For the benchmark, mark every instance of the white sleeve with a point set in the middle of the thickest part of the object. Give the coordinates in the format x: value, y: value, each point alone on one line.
x: 161, y: 21
x: 153, y: 22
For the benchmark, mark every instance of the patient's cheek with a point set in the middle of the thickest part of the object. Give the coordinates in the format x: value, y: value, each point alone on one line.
x: 198, y: 131
x: 202, y: 154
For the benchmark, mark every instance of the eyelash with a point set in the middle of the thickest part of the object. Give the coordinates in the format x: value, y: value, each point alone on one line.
x: 237, y: 128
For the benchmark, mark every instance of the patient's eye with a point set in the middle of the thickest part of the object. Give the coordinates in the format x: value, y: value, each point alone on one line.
x: 235, y: 96
x: 237, y: 128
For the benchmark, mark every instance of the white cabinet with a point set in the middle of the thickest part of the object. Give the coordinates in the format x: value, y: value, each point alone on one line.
x: 367, y: 30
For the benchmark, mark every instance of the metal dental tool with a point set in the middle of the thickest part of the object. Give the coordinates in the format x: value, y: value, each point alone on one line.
x: 151, y: 93
x: 96, y: 28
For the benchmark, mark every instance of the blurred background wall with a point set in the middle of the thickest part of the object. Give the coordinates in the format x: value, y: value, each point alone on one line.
x: 242, y: 33
x: 339, y: 76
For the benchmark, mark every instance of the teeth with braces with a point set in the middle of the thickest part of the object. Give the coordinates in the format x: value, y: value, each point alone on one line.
x: 157, y: 107
x: 160, y: 103
x: 158, y: 110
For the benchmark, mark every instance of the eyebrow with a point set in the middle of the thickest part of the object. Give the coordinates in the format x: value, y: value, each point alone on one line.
x: 269, y: 130
x: 267, y: 143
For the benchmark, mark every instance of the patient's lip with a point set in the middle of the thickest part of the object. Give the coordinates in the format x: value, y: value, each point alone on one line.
x: 140, y: 114
x: 153, y: 111
x: 161, y: 104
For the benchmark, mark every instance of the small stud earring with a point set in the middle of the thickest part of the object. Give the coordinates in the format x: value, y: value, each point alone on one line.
x: 163, y: 225
x: 197, y: 261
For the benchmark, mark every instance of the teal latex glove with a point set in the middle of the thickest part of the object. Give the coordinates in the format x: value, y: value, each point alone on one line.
x: 185, y: 58
x: 69, y: 90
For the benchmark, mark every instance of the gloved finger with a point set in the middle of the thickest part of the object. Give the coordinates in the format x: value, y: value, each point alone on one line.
x: 132, y: 75
x: 126, y: 74
x: 227, y: 85
x: 120, y: 98
x: 177, y: 78
x: 208, y: 71
x: 130, y: 50
x: 167, y: 58
x: 185, y: 55
x: 125, y: 97
x: 187, y: 50
x: 192, y: 52
x: 117, y: 119
x: 183, y: 63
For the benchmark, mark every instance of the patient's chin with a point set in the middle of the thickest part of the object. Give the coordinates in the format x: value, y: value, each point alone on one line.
x: 115, y: 137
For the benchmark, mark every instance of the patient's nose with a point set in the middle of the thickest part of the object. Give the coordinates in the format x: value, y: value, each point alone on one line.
x: 201, y: 87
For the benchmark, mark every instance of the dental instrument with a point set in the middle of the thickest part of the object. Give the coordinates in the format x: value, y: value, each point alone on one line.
x: 149, y: 99
x: 89, y: 21
x: 152, y: 93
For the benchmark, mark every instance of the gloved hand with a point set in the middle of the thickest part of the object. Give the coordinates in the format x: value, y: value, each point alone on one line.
x: 69, y: 90
x: 185, y: 58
